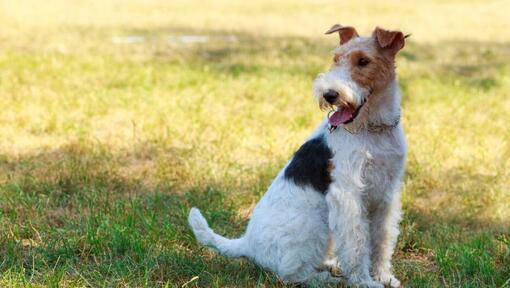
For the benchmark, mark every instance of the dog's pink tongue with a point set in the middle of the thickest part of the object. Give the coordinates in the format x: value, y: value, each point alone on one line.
x: 340, y: 116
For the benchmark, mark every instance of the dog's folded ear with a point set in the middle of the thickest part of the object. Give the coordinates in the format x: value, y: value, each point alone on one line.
x: 391, y: 41
x: 346, y: 32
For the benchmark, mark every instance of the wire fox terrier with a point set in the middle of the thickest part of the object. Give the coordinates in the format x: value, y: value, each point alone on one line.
x: 336, y: 203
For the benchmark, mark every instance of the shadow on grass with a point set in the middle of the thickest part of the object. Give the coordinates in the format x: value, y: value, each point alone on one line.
x: 84, y: 222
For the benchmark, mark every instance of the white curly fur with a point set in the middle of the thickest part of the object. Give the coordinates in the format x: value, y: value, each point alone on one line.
x: 294, y: 228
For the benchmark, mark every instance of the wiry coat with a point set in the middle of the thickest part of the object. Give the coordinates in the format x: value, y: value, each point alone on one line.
x: 338, y: 197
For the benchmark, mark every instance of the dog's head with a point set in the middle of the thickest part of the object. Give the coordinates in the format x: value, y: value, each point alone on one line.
x: 362, y: 66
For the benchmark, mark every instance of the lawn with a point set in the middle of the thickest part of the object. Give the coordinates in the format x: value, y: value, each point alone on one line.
x: 118, y: 116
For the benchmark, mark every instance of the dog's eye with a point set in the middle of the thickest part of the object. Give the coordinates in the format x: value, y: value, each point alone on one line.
x: 362, y: 62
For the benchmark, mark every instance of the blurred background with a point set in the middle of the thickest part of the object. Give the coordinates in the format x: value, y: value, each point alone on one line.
x: 118, y: 116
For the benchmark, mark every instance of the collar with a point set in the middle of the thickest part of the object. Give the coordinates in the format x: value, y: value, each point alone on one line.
x: 370, y: 128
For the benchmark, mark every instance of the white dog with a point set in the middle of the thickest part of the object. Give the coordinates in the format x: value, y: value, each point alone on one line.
x: 339, y: 195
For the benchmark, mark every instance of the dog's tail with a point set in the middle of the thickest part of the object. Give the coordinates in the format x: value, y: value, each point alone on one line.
x: 206, y: 236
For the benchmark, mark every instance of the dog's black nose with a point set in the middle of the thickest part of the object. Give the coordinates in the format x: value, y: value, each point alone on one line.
x: 330, y: 96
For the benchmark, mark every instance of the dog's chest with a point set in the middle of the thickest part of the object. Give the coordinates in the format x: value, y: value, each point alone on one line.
x: 369, y: 163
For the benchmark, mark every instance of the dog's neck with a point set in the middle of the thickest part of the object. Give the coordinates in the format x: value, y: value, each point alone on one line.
x: 382, y: 110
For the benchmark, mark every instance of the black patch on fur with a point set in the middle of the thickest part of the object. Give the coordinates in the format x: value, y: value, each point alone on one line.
x: 311, y: 165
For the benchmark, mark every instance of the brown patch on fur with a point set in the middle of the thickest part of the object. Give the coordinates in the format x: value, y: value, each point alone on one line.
x: 331, y: 167
x: 336, y: 58
x: 391, y: 41
x: 346, y: 33
x: 380, y: 71
x: 375, y: 75
x: 380, y: 50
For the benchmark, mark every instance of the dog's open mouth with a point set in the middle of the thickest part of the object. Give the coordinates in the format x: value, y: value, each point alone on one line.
x: 343, y: 115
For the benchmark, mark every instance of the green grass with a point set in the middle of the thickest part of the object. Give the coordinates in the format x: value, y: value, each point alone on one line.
x: 104, y: 147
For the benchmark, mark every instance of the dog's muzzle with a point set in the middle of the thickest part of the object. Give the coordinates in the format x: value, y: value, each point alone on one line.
x: 345, y: 112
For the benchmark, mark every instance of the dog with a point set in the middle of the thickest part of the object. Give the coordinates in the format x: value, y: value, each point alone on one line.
x: 336, y: 203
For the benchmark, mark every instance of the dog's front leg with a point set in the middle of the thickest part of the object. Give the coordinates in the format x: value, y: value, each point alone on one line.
x: 384, y: 231
x: 349, y: 228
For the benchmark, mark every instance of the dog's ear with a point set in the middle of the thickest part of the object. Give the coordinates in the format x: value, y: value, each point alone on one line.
x: 391, y: 41
x: 346, y: 32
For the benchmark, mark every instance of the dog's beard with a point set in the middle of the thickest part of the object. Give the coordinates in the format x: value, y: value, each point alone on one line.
x: 326, y: 106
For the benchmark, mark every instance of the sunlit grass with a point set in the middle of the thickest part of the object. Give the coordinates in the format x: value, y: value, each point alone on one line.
x: 105, y: 145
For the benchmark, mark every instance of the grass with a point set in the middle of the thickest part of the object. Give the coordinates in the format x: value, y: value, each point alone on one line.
x: 106, y: 145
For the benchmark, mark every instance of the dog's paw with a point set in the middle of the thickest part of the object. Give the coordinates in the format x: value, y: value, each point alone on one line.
x: 388, y: 279
x: 331, y: 265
